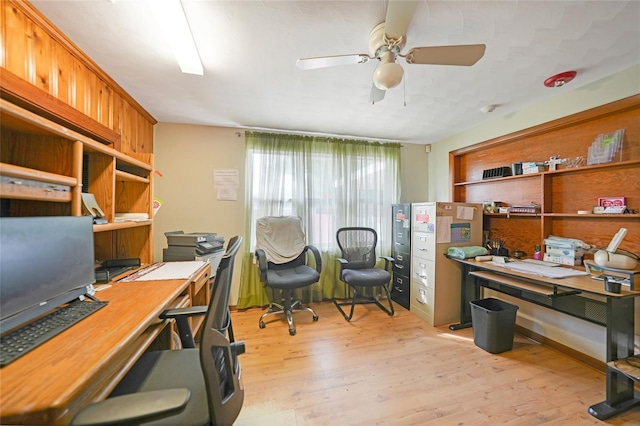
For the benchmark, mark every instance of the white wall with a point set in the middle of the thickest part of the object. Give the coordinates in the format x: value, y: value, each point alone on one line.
x: 414, y: 173
x: 187, y: 156
x: 575, y: 333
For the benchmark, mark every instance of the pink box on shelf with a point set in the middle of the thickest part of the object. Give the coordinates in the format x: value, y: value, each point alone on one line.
x: 612, y: 201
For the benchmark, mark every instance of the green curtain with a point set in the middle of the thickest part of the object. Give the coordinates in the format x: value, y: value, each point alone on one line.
x: 328, y: 182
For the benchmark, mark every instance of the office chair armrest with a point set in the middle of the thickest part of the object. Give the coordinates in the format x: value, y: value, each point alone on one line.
x: 388, y: 260
x: 181, y: 315
x: 262, y: 264
x: 189, y: 311
x: 133, y: 408
x: 316, y: 255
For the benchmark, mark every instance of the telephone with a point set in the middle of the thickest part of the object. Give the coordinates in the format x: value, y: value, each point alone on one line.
x: 610, y: 259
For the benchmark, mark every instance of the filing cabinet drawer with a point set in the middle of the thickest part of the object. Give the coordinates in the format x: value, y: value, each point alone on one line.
x: 402, y: 265
x: 401, y: 290
x: 402, y: 285
x: 423, y: 271
x: 423, y: 218
x: 402, y: 239
x: 423, y: 245
x: 422, y: 301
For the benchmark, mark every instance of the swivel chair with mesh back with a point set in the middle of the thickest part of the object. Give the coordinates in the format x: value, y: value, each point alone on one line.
x: 358, y: 268
x: 190, y: 386
x: 281, y: 252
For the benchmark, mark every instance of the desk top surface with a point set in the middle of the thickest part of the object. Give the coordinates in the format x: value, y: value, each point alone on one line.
x: 583, y: 282
x: 46, y: 380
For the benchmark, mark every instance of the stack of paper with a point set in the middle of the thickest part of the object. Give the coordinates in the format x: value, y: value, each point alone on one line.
x: 135, y: 217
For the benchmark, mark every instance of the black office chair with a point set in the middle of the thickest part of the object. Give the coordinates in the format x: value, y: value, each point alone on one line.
x: 358, y: 268
x: 182, y: 387
x: 281, y: 252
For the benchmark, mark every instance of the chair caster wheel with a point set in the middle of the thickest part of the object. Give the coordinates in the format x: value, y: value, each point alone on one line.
x: 292, y: 332
x: 261, y: 324
x: 315, y: 318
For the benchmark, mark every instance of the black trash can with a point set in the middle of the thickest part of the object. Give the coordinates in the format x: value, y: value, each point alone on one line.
x: 494, y: 323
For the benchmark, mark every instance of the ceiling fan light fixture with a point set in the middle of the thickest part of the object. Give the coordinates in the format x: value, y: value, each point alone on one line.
x: 388, y: 75
x: 561, y: 79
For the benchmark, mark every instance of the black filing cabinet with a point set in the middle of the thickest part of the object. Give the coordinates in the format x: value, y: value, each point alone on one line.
x: 401, y: 252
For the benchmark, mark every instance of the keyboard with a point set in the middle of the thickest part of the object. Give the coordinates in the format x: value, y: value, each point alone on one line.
x: 32, y: 335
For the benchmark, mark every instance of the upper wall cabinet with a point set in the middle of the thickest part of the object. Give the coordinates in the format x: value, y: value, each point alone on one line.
x: 68, y: 128
x: 44, y: 72
x: 561, y: 193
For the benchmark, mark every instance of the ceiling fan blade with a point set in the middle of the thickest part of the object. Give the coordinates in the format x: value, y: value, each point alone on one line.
x: 399, y: 14
x: 463, y: 55
x: 376, y: 94
x: 331, y: 61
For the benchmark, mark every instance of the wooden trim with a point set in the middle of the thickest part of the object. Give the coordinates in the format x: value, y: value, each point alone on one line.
x: 34, y: 14
x: 36, y: 100
x: 585, y: 359
x: 12, y: 170
x: 560, y: 123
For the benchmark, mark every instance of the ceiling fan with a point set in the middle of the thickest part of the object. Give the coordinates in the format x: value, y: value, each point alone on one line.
x: 386, y: 41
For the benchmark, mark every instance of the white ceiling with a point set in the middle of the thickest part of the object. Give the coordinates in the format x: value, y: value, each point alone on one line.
x: 249, y: 50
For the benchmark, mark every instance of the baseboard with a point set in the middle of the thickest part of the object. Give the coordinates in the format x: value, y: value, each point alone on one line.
x: 585, y: 359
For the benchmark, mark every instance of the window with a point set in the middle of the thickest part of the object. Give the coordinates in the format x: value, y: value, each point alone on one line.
x: 329, y: 183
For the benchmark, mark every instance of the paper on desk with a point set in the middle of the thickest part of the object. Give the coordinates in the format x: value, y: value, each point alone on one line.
x: 166, y: 271
x: 540, y: 270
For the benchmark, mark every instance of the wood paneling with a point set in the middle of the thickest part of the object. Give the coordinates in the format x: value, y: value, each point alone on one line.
x: 563, y: 192
x: 62, y: 78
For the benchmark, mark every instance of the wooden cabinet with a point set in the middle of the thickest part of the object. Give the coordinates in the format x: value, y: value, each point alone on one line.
x: 66, y: 126
x: 43, y: 166
x: 560, y: 193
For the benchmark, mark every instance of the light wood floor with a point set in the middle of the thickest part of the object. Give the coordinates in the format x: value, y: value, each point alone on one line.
x: 381, y: 370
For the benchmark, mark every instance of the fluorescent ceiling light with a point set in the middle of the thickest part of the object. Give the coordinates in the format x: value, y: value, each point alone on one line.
x: 170, y: 16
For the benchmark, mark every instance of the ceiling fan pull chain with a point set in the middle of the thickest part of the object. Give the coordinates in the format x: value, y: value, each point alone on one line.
x: 404, y: 92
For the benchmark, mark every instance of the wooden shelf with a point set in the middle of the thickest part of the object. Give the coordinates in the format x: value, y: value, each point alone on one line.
x: 630, y: 367
x: 594, y: 216
x: 128, y: 177
x: 582, y: 169
x: 121, y: 225
x: 27, y: 173
x: 583, y: 216
x: 560, y: 193
x: 43, y: 161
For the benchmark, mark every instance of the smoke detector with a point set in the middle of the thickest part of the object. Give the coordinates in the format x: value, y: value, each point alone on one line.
x: 560, y: 80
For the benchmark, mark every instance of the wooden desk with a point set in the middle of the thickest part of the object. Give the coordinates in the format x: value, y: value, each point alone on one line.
x: 50, y: 384
x: 579, y: 296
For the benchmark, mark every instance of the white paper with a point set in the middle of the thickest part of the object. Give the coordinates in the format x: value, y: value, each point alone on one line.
x: 443, y: 229
x: 465, y: 212
x: 226, y: 182
x: 227, y: 193
x: 166, y: 271
x: 226, y: 177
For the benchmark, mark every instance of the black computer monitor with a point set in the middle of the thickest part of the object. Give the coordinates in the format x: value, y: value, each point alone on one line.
x: 45, y: 262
